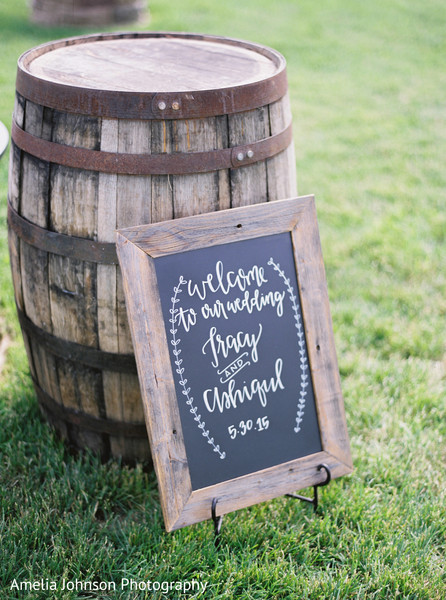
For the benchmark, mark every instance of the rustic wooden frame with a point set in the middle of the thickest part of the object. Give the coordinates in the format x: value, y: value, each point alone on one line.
x: 138, y: 247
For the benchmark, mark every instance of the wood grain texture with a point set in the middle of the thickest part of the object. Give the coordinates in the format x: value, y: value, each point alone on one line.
x: 33, y: 204
x: 15, y: 163
x: 258, y: 487
x: 319, y: 334
x: 35, y: 173
x: 107, y: 282
x: 280, y: 187
x: 72, y: 282
x: 74, y: 191
x: 59, y: 293
x: 152, y: 75
x: 195, y: 193
x: 73, y: 211
x: 133, y: 205
x: 106, y: 274
x: 249, y: 184
x: 214, y: 228
x: 15, y: 156
x: 224, y: 180
x: 162, y: 187
x: 156, y: 378
x: 138, y: 248
x: 155, y: 64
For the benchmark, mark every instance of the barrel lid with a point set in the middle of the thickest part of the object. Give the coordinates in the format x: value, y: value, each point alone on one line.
x: 152, y: 75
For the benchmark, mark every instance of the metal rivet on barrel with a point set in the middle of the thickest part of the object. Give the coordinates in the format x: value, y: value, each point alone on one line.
x: 161, y: 105
x: 250, y: 154
x: 176, y: 105
x: 240, y: 156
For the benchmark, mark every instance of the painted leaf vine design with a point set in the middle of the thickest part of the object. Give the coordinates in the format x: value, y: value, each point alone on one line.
x: 304, y: 380
x: 179, y: 368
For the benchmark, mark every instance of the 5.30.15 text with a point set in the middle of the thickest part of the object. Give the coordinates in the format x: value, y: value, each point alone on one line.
x: 261, y: 424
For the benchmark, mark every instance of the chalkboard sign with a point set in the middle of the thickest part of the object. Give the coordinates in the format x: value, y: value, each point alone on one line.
x: 233, y: 340
x: 238, y: 353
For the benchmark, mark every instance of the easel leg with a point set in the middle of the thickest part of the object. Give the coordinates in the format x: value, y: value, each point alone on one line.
x: 315, y: 500
x: 217, y: 523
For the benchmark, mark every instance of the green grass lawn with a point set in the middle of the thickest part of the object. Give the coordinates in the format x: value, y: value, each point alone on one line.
x: 367, y: 82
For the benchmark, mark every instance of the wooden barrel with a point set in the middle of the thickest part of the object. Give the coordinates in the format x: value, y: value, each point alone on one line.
x: 87, y: 12
x: 111, y: 131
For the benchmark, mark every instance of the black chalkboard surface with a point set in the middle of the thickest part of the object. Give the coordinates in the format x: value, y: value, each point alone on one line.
x: 233, y: 339
x: 238, y: 352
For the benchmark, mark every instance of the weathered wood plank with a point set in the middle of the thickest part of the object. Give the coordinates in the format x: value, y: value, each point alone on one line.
x: 167, y: 443
x: 106, y: 282
x: 259, y: 487
x: 195, y: 193
x: 73, y: 209
x: 106, y: 274
x: 235, y: 224
x: 36, y: 302
x: 162, y: 190
x: 281, y: 169
x: 82, y: 390
x: 74, y: 316
x: 249, y: 183
x: 14, y: 258
x: 15, y: 156
x: 72, y: 282
x: 134, y: 206
x: 73, y: 299
x: 320, y: 339
x: 15, y: 164
x: 34, y: 207
x: 35, y: 173
x: 33, y: 263
x: 47, y: 370
x: 224, y: 183
x: 67, y: 381
x: 134, y: 191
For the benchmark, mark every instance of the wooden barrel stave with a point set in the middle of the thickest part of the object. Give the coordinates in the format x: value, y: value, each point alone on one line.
x: 278, y: 185
x: 121, y: 390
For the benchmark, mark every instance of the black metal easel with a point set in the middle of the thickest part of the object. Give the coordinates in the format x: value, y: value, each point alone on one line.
x: 314, y: 501
x: 217, y: 523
